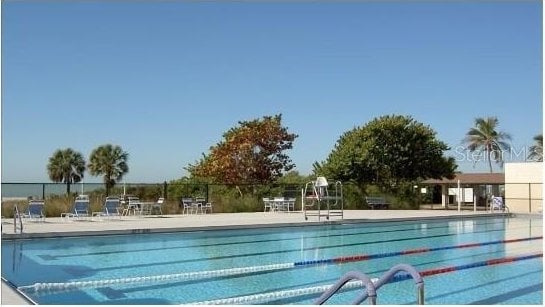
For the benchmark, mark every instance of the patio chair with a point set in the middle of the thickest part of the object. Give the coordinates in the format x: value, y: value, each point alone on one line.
x: 110, y: 208
x: 290, y: 201
x: 280, y: 204
x: 158, y: 206
x: 268, y: 203
x: 133, y: 204
x: 206, y: 206
x: 188, y: 205
x: 198, y: 204
x: 35, y: 211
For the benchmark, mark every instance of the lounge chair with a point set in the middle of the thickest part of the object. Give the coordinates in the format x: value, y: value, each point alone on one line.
x: 110, y: 208
x: 35, y: 211
x: 498, y: 205
x: 80, y: 209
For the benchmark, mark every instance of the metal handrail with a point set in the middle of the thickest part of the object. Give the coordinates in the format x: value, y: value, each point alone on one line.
x: 371, y: 292
x: 17, y: 217
x: 372, y: 287
x: 419, y: 281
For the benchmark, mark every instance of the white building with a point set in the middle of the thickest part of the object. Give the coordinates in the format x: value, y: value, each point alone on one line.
x: 524, y: 186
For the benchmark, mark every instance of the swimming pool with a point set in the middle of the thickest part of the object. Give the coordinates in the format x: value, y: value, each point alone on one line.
x: 209, y: 266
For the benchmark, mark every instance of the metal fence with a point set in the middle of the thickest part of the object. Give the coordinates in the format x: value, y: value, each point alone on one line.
x: 225, y: 198
x: 520, y: 197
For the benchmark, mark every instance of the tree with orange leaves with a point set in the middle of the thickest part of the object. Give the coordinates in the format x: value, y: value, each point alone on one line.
x: 253, y: 152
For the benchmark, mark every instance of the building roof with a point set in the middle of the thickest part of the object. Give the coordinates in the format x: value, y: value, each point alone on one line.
x: 471, y: 178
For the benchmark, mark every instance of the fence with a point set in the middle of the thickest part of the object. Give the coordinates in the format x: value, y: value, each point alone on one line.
x: 520, y: 197
x: 225, y: 198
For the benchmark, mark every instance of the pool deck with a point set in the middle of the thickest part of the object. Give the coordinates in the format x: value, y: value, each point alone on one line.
x: 57, y: 227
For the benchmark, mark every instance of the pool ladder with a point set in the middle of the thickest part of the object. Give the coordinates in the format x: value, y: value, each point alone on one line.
x: 372, y: 287
x: 17, y: 220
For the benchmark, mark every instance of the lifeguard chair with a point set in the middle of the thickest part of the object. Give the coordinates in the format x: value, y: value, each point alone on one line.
x: 317, y: 200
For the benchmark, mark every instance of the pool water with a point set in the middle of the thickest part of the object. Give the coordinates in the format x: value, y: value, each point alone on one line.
x: 77, y: 259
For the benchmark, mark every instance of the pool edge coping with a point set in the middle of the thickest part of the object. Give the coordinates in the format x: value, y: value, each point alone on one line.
x: 22, y: 298
x: 46, y: 235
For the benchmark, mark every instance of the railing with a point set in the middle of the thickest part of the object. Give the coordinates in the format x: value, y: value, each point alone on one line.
x: 368, y: 284
x: 17, y: 220
x: 372, y: 286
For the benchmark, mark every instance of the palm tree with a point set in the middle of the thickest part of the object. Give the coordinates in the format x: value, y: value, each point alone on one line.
x: 484, y: 138
x: 111, y: 162
x: 66, y: 165
x: 536, y: 150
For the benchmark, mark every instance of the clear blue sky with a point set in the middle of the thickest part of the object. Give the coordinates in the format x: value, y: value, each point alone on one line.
x: 165, y: 79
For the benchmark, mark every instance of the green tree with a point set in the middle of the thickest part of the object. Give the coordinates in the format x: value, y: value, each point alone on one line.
x: 109, y: 161
x: 251, y: 153
x: 536, y: 150
x: 391, y: 152
x: 66, y: 165
x: 484, y: 138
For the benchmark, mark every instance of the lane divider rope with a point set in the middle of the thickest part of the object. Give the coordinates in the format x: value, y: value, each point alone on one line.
x: 273, y: 296
x: 74, y: 285
x: 187, y: 276
x: 410, y: 251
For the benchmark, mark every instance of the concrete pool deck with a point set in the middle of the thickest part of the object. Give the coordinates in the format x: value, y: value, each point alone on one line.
x: 56, y: 227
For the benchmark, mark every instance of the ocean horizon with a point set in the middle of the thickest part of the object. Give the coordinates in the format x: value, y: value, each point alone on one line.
x: 18, y: 191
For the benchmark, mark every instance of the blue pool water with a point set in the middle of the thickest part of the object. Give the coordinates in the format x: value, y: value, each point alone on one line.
x: 76, y: 259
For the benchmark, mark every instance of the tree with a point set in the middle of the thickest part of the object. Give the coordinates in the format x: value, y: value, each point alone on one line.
x: 66, y: 165
x: 111, y: 162
x: 484, y: 138
x: 391, y: 152
x: 252, y: 152
x: 536, y: 150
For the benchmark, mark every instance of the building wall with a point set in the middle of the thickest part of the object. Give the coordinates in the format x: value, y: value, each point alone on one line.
x: 523, y: 186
